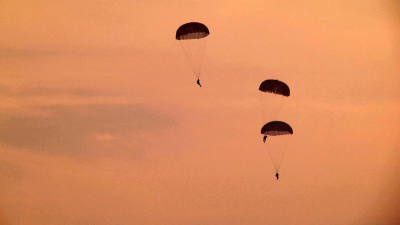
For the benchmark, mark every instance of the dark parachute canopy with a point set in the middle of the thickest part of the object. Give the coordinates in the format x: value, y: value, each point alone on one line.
x: 192, y: 30
x: 275, y: 87
x: 275, y: 128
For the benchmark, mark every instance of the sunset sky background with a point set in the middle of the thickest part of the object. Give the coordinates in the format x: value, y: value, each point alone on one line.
x: 101, y: 120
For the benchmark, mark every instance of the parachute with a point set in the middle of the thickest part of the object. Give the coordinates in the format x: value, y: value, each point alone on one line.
x: 279, y: 136
x: 275, y: 128
x: 192, y: 38
x: 273, y: 94
x: 275, y: 87
x: 192, y: 30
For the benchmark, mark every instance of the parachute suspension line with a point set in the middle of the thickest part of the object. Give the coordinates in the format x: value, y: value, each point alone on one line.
x: 276, y: 158
x: 181, y: 43
x: 194, y: 53
x: 262, y: 108
x: 272, y: 160
x: 270, y: 105
x: 186, y: 55
x: 201, y: 48
x: 283, y: 156
x: 281, y: 103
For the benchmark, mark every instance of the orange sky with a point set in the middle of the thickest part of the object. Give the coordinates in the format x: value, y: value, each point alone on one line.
x: 101, y: 120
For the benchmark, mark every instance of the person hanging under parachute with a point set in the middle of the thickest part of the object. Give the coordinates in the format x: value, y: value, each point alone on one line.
x: 192, y: 39
x: 265, y: 138
x: 279, y: 133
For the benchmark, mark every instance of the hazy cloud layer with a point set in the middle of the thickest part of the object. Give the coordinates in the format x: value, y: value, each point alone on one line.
x: 70, y: 129
x: 28, y: 92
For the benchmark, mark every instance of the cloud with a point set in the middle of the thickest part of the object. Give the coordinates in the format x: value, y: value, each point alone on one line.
x: 106, y: 137
x: 73, y: 130
x: 44, y: 91
x: 24, y: 92
x: 16, y: 52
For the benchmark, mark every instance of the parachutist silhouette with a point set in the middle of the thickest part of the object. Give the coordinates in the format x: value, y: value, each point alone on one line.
x: 277, y: 176
x: 265, y: 138
x: 198, y: 82
x: 191, y: 37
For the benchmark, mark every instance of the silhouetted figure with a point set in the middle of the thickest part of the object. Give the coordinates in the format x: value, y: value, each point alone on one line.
x: 277, y: 176
x: 198, y: 82
x: 265, y: 138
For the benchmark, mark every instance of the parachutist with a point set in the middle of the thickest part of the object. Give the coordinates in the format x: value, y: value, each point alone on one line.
x: 198, y: 82
x: 265, y: 138
x: 275, y: 129
x: 191, y: 38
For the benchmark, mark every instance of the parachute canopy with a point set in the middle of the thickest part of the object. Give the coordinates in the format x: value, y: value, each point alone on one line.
x: 275, y: 87
x: 275, y: 128
x: 192, y: 30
